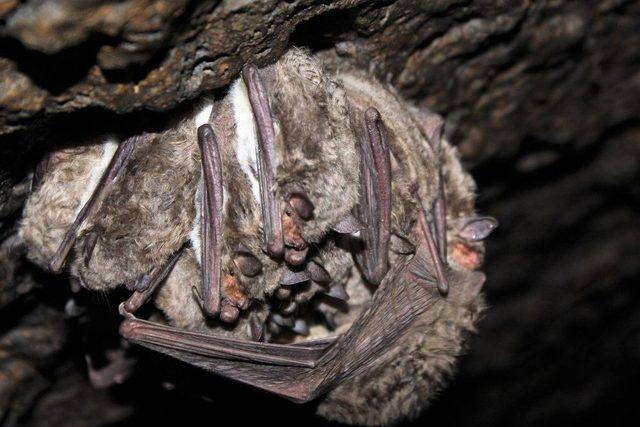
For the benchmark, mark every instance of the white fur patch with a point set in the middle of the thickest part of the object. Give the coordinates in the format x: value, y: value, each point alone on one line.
x: 247, y: 140
x: 109, y: 147
x: 202, y: 117
x: 194, y: 235
x: 204, y: 114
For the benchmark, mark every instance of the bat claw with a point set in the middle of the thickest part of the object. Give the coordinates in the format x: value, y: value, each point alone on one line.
x: 148, y: 283
x: 122, y: 310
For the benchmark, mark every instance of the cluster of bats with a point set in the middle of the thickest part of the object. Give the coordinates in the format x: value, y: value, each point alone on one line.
x: 310, y: 234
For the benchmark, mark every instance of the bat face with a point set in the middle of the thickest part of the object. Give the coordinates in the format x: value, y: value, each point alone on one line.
x: 310, y: 234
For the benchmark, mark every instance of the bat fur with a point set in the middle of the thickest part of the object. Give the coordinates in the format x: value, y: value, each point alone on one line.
x: 156, y: 206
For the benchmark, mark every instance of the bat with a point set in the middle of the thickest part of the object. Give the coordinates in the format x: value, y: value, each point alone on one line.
x: 301, y: 192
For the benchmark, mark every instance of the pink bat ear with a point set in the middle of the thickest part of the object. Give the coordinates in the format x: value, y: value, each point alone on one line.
x: 477, y: 228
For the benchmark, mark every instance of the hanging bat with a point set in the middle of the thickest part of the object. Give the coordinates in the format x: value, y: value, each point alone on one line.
x: 300, y: 191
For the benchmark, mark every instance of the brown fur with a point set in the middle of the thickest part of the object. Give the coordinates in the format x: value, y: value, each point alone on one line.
x: 53, y: 206
x: 413, y: 162
x: 242, y: 216
x: 148, y: 214
x: 317, y: 149
x: 402, y: 382
x: 176, y: 300
x: 319, y: 125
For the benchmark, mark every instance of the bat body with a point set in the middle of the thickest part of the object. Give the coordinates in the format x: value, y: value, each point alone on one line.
x: 302, y: 192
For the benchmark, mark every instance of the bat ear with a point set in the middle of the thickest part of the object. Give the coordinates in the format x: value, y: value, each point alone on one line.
x: 477, y: 228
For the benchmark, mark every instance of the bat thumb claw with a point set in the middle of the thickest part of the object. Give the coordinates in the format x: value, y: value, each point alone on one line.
x: 124, y: 312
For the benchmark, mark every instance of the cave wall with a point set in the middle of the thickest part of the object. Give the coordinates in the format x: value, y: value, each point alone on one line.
x: 541, y: 97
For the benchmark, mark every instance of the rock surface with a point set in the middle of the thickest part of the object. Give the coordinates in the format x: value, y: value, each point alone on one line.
x: 542, y: 98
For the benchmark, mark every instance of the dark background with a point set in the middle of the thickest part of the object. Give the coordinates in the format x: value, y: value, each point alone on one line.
x: 542, y: 98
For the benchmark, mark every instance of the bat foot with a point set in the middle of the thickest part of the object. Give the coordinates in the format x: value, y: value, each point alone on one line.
x: 125, y: 312
x: 229, y: 313
x: 116, y: 371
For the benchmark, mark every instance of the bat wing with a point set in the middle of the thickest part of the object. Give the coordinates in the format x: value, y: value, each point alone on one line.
x: 375, y: 204
x: 213, y: 217
x: 303, y: 371
x: 265, y: 154
x: 286, y: 370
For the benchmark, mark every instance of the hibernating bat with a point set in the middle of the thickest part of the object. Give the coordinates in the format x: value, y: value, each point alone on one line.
x: 310, y: 234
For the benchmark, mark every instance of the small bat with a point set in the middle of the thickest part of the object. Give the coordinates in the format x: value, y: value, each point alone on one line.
x: 302, y: 191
